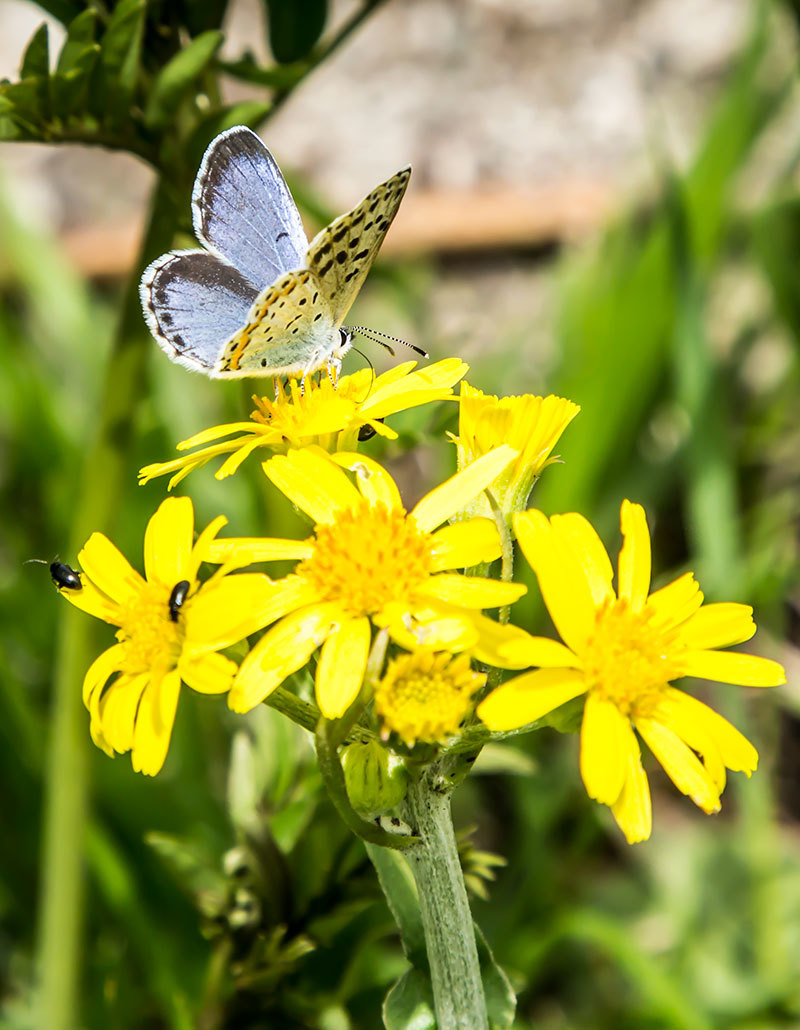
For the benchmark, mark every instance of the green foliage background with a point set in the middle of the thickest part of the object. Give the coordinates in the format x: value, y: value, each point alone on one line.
x: 698, y: 929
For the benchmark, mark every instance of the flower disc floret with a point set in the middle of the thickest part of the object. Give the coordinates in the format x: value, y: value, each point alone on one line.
x: 370, y: 556
x: 131, y: 690
x: 149, y: 637
x: 425, y: 696
x: 368, y: 564
x: 621, y: 649
x: 629, y: 659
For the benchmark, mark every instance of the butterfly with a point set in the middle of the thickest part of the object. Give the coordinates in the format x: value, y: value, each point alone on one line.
x: 259, y: 300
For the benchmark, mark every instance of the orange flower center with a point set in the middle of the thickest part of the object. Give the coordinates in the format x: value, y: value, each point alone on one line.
x: 150, y: 638
x: 367, y: 558
x: 629, y: 660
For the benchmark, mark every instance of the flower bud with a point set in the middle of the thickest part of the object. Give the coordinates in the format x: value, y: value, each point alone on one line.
x: 376, y: 780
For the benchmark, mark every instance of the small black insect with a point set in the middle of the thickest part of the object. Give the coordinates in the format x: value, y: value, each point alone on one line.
x: 177, y: 597
x: 366, y: 432
x: 64, y: 576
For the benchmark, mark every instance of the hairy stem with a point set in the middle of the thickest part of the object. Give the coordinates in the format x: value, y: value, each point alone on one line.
x: 449, y: 935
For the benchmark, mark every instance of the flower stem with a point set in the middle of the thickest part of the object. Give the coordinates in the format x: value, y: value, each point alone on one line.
x: 449, y: 934
x: 67, y: 781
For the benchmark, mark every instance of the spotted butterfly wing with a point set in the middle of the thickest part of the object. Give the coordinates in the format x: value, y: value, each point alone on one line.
x: 258, y: 300
x: 341, y: 254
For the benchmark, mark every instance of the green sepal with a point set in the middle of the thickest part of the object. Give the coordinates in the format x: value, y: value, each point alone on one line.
x: 294, y: 28
x: 21, y: 102
x: 178, y: 76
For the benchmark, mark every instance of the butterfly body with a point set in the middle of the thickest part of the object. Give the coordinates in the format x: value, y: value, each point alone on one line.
x: 259, y: 299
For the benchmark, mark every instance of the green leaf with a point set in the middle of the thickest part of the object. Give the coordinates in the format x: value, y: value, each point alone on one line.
x: 178, y: 77
x: 70, y: 91
x: 36, y: 59
x: 409, y: 1004
x: 248, y: 69
x: 505, y: 760
x: 400, y: 890
x: 8, y: 129
x: 294, y: 27
x: 122, y: 46
x: 501, y: 1002
x: 22, y: 99
x: 80, y: 33
x: 776, y: 233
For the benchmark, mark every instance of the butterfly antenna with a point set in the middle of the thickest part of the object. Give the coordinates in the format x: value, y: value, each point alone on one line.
x: 378, y: 337
x: 35, y: 561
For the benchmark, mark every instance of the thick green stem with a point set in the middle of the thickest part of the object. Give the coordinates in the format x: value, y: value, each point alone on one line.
x: 449, y: 934
x: 61, y: 892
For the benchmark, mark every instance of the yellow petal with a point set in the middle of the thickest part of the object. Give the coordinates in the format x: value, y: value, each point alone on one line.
x: 109, y: 570
x: 562, y: 578
x: 528, y: 697
x: 682, y: 713
x: 605, y: 749
x: 676, y: 602
x: 313, y: 483
x: 523, y: 650
x: 341, y: 668
x: 633, y: 809
x: 634, y: 558
x: 101, y: 669
x: 244, y: 550
x: 118, y: 714
x: 680, y: 764
x: 243, y: 451
x: 168, y: 541
x: 208, y: 673
x: 229, y: 609
x: 464, y: 544
x: 493, y: 637
x: 373, y: 481
x: 456, y: 492
x: 283, y: 649
x: 733, y: 667
x: 217, y: 432
x: 436, y: 626
x: 203, y: 542
x: 154, y: 721
x: 93, y: 601
x: 718, y: 625
x: 471, y: 591
x: 426, y: 384
x: 579, y: 536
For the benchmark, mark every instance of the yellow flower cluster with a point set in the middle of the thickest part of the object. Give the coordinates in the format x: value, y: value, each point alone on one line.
x: 372, y: 572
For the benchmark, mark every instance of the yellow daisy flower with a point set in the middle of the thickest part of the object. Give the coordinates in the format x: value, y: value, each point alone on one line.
x: 332, y: 417
x: 531, y: 425
x: 368, y: 562
x: 171, y: 627
x: 426, y: 696
x: 621, y: 650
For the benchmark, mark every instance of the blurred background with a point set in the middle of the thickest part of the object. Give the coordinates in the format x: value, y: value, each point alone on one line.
x: 604, y: 205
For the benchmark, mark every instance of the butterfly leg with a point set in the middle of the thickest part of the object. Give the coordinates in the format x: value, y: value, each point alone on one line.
x: 311, y: 365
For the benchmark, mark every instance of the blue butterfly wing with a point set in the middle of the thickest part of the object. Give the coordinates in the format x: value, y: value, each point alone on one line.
x: 194, y: 302
x: 242, y: 209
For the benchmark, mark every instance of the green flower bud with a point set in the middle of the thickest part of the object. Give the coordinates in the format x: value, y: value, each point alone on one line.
x: 376, y: 780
